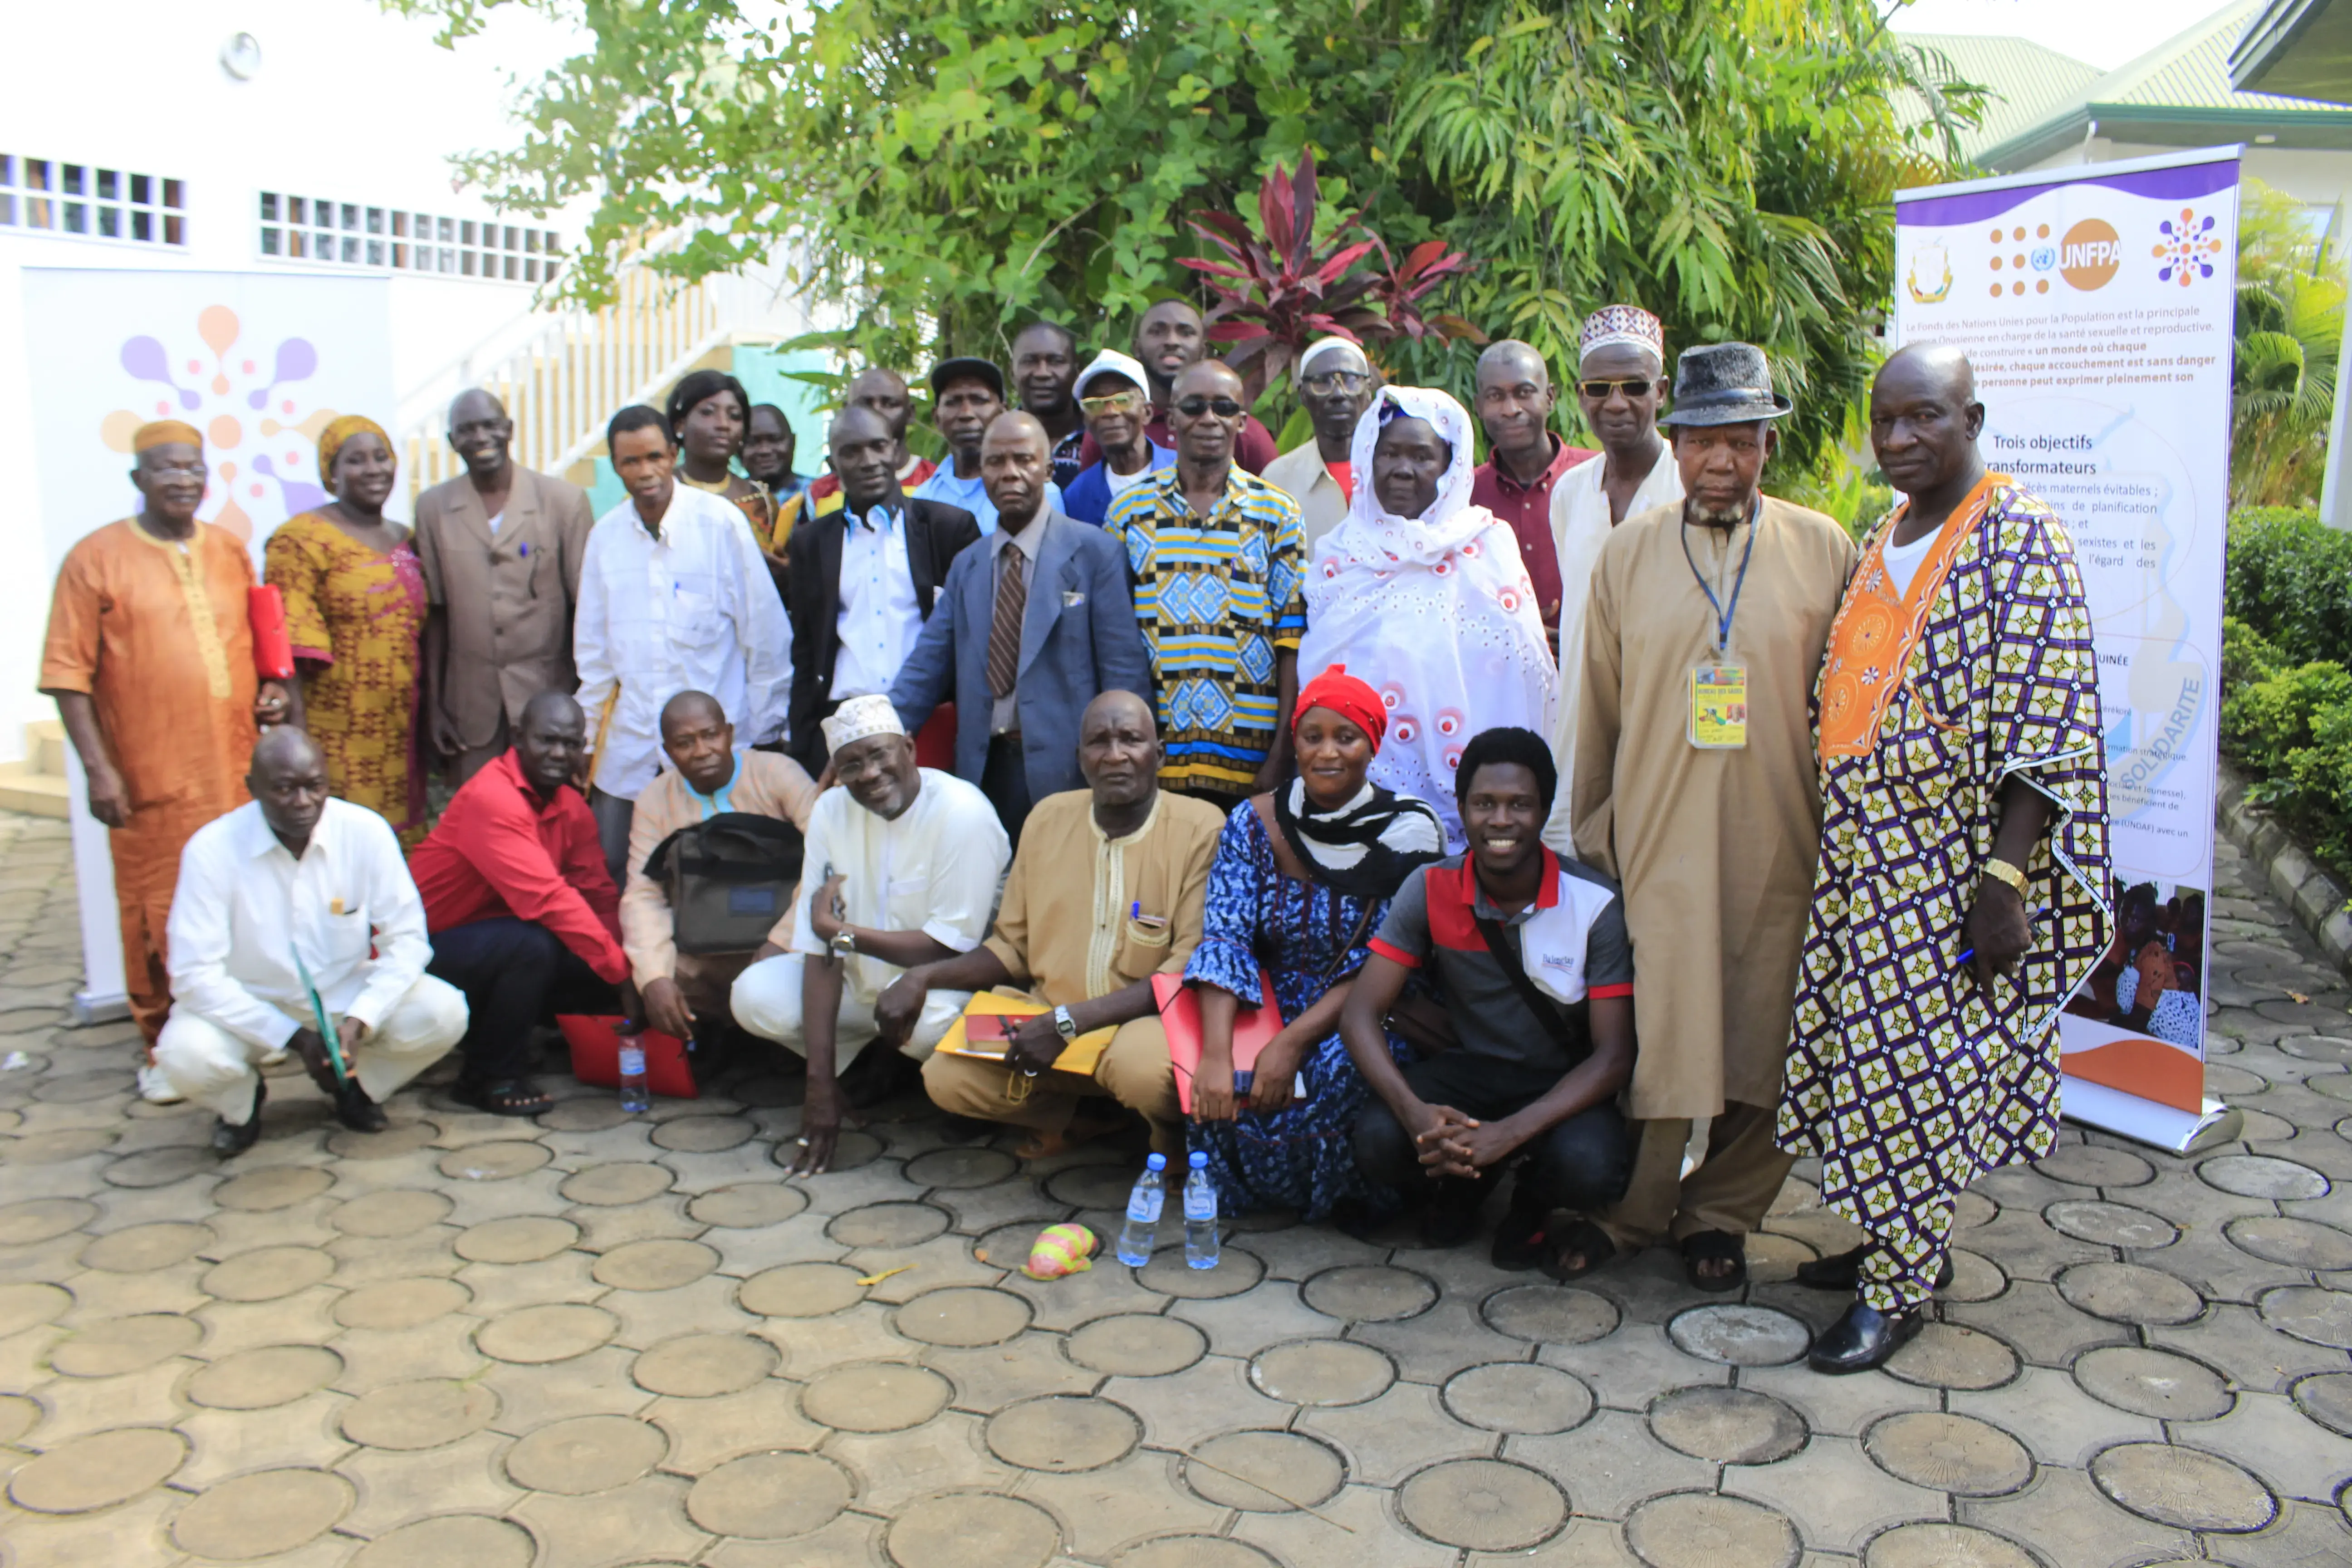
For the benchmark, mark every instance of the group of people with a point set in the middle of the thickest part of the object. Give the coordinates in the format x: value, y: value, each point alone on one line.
x: 1311, y: 806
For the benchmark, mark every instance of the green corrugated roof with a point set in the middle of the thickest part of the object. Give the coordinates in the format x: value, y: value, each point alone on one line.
x: 2183, y: 83
x: 2027, y: 80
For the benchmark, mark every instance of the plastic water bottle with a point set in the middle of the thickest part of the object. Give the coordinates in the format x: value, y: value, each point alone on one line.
x: 1142, y: 1214
x: 635, y: 1098
x: 1200, y: 1215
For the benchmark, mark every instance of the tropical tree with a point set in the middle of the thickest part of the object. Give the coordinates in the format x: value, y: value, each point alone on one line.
x: 2289, y: 334
x: 942, y: 170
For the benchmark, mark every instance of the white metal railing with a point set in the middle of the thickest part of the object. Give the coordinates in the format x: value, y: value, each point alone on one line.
x: 563, y: 374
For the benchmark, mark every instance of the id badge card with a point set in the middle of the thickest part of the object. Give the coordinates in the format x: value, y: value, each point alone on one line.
x: 1719, y: 706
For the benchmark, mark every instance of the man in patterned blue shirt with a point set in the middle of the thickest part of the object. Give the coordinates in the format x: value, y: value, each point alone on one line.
x: 1217, y: 557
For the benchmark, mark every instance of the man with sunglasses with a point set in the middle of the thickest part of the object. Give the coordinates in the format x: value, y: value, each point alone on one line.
x: 1621, y: 382
x: 1336, y: 384
x: 1112, y: 396
x: 1524, y: 460
x: 1218, y: 559
x: 1169, y: 339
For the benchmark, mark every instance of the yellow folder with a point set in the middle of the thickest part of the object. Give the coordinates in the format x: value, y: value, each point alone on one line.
x: 1078, y: 1057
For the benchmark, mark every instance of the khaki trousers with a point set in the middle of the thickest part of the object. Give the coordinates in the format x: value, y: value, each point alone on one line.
x: 1134, y: 1070
x: 1729, y: 1191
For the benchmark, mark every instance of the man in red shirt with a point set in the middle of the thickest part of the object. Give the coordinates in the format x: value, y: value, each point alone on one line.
x: 1524, y: 460
x: 524, y: 914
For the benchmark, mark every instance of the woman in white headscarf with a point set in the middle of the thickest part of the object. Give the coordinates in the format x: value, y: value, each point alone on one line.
x: 1424, y: 595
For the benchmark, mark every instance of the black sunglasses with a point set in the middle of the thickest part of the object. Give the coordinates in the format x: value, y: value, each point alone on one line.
x: 1601, y: 391
x: 1193, y: 407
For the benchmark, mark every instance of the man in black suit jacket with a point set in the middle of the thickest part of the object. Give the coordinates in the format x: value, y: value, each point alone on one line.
x: 863, y: 579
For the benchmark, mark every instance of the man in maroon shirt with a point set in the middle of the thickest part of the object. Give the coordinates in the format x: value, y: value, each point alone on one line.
x: 1524, y: 460
x: 1168, y: 339
x: 524, y: 914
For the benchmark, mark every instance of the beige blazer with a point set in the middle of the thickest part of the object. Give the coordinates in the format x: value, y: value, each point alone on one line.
x: 506, y: 598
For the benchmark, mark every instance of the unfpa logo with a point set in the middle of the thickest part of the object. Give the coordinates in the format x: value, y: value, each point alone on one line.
x: 2090, y: 255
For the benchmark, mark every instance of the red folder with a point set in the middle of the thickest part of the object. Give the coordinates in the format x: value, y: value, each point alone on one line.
x: 1180, y: 1014
x: 273, y: 646
x: 595, y: 1047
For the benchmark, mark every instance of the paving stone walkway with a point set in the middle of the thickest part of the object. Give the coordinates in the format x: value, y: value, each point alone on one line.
x: 598, y: 1340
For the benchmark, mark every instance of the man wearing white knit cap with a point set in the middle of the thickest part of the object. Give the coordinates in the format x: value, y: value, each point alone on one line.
x: 903, y: 867
x: 1336, y: 384
x: 1621, y: 380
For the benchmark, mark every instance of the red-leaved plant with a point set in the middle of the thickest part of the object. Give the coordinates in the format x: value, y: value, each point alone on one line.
x: 1278, y: 290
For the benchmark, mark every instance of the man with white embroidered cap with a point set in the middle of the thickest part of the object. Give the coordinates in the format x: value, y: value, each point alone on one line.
x: 1336, y: 383
x: 1696, y: 788
x: 903, y: 866
x: 1621, y: 382
x: 1114, y: 401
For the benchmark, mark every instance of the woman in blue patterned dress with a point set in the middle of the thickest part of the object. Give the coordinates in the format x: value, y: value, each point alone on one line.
x: 1301, y: 879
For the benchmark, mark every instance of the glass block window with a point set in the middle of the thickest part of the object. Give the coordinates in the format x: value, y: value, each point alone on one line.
x: 296, y: 227
x: 54, y: 197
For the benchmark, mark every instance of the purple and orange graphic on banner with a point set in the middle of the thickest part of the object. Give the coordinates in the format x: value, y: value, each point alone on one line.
x: 261, y: 434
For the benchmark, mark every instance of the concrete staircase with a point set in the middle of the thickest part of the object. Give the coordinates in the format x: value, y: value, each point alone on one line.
x: 36, y: 785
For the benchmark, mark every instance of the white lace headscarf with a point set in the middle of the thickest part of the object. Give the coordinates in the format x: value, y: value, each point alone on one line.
x: 1435, y: 611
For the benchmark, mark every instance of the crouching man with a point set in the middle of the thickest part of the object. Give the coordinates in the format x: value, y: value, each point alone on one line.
x: 292, y: 893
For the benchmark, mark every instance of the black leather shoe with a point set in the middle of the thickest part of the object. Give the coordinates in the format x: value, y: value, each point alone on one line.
x: 1865, y: 1337
x: 229, y: 1139
x: 1842, y: 1271
x: 356, y: 1110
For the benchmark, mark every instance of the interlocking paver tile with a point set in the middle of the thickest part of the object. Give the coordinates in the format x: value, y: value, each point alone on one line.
x: 365, y: 1324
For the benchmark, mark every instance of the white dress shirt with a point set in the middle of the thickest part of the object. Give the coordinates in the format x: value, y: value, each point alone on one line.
x: 937, y: 868
x: 244, y: 907
x: 691, y: 610
x: 880, y: 617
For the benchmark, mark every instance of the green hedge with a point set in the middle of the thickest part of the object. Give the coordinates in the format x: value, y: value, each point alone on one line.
x: 2286, y: 671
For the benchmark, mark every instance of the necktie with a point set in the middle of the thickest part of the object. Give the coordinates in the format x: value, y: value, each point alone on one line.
x: 1004, y: 630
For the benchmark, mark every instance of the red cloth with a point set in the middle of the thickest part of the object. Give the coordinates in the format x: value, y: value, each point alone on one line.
x: 1344, y: 473
x: 497, y: 851
x: 1341, y: 693
x: 1252, y: 449
x: 1527, y: 510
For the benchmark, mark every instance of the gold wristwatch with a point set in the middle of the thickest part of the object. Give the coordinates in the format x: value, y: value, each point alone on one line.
x: 2000, y: 870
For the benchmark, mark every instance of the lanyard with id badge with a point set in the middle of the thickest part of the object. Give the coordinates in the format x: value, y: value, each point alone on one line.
x: 1718, y: 688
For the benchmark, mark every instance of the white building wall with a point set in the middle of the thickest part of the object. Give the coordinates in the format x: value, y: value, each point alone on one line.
x: 2317, y: 178
x: 348, y: 104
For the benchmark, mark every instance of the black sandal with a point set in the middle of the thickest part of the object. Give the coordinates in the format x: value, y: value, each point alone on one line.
x: 1711, y: 1246
x: 1585, y: 1240
x: 508, y: 1097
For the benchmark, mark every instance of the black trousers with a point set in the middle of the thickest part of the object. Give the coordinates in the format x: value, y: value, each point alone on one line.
x: 1583, y: 1164
x: 1004, y: 780
x: 516, y: 975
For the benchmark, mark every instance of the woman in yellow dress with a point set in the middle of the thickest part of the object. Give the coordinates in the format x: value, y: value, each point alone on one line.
x: 354, y: 605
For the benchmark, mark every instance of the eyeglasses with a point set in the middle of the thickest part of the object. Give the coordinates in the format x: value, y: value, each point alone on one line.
x: 1602, y: 391
x: 1335, y: 381
x: 1113, y: 402
x: 176, y: 471
x: 1224, y: 407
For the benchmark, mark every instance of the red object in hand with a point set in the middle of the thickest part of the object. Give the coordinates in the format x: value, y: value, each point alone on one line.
x: 273, y: 646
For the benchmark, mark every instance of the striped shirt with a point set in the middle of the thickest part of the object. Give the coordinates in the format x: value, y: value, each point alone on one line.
x: 1217, y: 597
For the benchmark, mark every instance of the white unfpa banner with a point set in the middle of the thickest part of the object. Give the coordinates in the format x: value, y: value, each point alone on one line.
x: 2096, y: 303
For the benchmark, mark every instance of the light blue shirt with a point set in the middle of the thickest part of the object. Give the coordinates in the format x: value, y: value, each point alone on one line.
x: 971, y: 495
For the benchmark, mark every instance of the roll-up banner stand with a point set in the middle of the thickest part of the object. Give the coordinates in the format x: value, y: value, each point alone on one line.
x: 2096, y: 303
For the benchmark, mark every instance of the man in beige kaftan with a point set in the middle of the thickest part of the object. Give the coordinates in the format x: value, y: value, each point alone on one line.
x: 1695, y: 787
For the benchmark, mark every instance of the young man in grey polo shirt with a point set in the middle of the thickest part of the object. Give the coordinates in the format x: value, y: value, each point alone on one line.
x: 1530, y: 955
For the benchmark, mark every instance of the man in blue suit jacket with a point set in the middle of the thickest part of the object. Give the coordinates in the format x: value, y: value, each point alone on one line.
x: 1033, y: 623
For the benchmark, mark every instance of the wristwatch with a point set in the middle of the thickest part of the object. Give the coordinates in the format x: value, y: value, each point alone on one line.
x: 844, y: 944
x: 2000, y: 870
x: 1065, y: 1025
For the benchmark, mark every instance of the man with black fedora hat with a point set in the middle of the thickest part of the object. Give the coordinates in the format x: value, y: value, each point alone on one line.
x: 967, y: 395
x: 1695, y: 788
